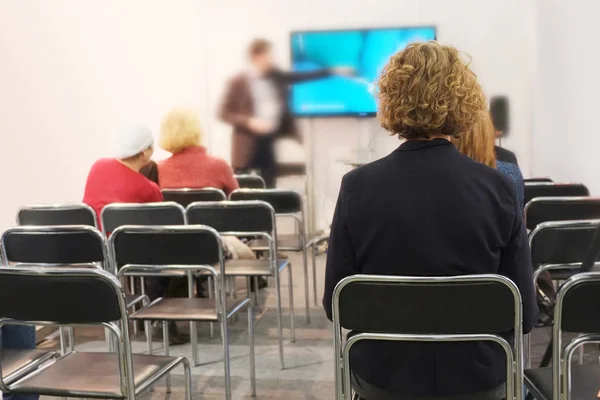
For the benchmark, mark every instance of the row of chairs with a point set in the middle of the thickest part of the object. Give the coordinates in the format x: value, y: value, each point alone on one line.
x: 140, y: 251
x: 286, y: 203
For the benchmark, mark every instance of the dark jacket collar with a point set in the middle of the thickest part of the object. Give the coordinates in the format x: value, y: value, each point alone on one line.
x: 411, y: 145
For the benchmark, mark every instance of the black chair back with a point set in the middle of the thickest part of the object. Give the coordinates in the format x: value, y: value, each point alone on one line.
x: 185, y: 197
x: 250, y: 182
x: 165, y: 245
x: 149, y: 214
x: 575, y: 300
x: 60, y: 295
x: 546, y: 209
x: 458, y: 305
x: 562, y: 242
x: 533, y: 190
x: 53, y: 245
x: 60, y: 214
x: 233, y: 216
x: 283, y: 201
x: 538, y: 180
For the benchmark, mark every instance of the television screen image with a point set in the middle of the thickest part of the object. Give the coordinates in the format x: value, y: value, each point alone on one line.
x: 367, y: 51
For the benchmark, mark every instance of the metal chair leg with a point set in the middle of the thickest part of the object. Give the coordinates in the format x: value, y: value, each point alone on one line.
x: 193, y: 324
x: 226, y: 360
x: 527, y: 350
x: 279, y: 318
x: 211, y: 294
x: 63, y: 339
x: 71, y: 332
x: 148, y: 328
x: 187, y: 373
x: 132, y: 289
x: 292, y: 313
x: 306, y: 284
x: 313, y: 251
x: 251, y: 345
x: 165, y: 326
x: 255, y: 293
x: 581, y: 353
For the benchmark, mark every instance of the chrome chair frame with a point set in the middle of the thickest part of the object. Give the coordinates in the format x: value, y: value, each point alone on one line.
x: 575, y: 267
x: 141, y: 207
x: 565, y: 199
x: 514, y: 364
x: 192, y: 191
x: 257, y: 178
x: 57, y: 207
x: 191, y: 271
x: 562, y: 358
x: 300, y: 223
x: 123, y: 348
x: 58, y: 229
x: 25, y: 369
x: 276, y: 268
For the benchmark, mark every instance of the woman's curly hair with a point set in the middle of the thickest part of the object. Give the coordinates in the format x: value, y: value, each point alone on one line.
x: 427, y: 89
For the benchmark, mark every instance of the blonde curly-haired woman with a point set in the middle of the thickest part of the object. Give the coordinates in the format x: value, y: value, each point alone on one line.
x: 428, y: 210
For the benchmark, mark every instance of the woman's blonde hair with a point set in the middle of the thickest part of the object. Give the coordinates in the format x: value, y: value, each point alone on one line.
x: 427, y: 89
x: 478, y: 143
x: 179, y: 129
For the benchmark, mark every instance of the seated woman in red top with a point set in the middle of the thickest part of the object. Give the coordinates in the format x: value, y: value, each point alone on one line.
x: 190, y: 166
x: 118, y: 180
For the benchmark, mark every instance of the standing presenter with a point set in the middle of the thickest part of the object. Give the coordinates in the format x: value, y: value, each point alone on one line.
x: 256, y: 105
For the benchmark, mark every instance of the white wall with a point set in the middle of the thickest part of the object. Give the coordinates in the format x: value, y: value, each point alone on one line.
x: 73, y: 71
x: 567, y: 84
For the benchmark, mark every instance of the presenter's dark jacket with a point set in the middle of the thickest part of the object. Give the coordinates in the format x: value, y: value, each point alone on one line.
x: 238, y: 107
x: 428, y: 210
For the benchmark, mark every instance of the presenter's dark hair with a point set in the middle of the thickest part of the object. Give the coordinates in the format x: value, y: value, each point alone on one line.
x: 258, y: 47
x: 427, y: 89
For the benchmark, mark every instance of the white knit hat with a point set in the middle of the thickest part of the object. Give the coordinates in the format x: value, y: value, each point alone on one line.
x: 133, y: 140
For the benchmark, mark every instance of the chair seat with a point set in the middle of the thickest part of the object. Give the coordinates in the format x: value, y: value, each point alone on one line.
x: 17, y: 362
x: 584, y: 382
x: 184, y: 309
x: 92, y: 375
x: 261, y: 267
x: 291, y: 242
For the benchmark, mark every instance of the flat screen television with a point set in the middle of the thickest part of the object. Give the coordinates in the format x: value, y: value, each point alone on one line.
x: 365, y: 50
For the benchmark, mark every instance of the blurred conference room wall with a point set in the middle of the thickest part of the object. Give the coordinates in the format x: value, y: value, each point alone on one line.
x: 73, y: 72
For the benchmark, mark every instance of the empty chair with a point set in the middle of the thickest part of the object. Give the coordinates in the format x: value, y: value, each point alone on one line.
x: 191, y: 249
x: 185, y: 197
x: 545, y: 209
x: 54, y: 245
x: 561, y: 246
x: 562, y: 249
x: 538, y: 180
x: 357, y: 307
x: 57, y: 214
x: 286, y: 203
x: 118, y: 214
x: 245, y: 219
x: 533, y: 190
x: 250, y: 182
x: 87, y: 297
x: 575, y: 314
x: 59, y: 245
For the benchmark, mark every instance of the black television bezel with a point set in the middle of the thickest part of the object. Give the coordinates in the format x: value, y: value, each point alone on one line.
x: 345, y: 114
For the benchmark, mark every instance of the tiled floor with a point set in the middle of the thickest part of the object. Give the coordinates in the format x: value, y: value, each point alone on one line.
x: 309, y: 373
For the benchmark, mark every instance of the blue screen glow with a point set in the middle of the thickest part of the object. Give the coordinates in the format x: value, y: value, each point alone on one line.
x: 366, y: 51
